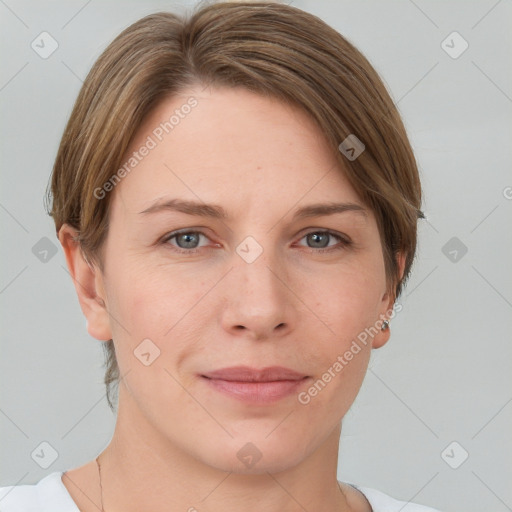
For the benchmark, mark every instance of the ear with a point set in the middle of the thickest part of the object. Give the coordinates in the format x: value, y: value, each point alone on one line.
x: 88, y: 282
x: 387, y: 303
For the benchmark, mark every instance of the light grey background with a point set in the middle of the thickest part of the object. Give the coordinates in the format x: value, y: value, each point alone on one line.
x: 444, y: 376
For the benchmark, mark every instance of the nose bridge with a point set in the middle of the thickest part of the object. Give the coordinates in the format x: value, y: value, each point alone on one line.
x: 257, y: 298
x: 256, y: 271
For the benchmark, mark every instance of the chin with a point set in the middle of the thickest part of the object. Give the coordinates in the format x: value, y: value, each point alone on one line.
x: 255, y: 454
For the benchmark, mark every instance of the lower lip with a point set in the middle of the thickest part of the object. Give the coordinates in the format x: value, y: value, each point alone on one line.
x: 256, y: 392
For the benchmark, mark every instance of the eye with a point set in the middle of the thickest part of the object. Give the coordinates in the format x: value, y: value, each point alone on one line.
x: 321, y: 240
x: 187, y: 241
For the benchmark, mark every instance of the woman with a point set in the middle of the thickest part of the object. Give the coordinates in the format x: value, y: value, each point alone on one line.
x: 237, y: 201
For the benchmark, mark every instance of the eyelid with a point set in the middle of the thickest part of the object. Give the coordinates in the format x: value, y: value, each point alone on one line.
x: 309, y: 231
x: 343, y: 240
x: 165, y: 240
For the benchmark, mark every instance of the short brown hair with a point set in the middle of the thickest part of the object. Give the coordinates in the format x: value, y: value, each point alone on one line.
x: 269, y: 48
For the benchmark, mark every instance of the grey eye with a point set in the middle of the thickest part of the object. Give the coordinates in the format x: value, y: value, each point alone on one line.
x: 187, y: 240
x: 318, y: 240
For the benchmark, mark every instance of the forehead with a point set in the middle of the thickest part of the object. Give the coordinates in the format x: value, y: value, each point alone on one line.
x: 230, y: 146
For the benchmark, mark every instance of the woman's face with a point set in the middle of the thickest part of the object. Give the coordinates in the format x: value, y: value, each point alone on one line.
x: 257, y: 278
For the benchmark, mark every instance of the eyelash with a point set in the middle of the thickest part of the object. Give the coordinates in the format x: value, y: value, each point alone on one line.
x: 343, y: 242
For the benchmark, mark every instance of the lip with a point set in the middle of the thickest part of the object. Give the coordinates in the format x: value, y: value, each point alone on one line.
x: 248, y: 374
x: 254, y: 385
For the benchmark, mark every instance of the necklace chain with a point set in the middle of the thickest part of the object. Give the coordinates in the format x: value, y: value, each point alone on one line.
x: 101, y: 488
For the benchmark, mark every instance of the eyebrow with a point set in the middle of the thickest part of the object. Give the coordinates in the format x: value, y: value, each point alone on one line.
x: 217, y: 212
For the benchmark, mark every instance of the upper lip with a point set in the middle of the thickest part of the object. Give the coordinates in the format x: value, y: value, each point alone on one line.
x: 248, y: 374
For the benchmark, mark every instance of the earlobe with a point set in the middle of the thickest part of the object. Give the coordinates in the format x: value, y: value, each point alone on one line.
x: 388, y: 301
x: 383, y: 334
x: 88, y: 282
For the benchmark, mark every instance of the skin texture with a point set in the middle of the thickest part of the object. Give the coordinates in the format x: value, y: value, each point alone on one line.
x: 176, y: 439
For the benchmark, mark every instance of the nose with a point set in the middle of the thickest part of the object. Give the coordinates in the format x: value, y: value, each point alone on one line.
x: 258, y: 303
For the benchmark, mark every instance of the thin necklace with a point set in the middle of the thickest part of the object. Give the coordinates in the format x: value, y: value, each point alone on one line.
x: 101, y: 488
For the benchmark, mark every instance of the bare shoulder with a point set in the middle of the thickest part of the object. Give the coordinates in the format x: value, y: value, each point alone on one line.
x: 356, y: 499
x: 83, y: 486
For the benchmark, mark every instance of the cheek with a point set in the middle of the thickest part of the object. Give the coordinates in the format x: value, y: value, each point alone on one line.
x: 153, y: 300
x: 332, y: 391
x: 340, y: 361
x: 152, y: 310
x: 158, y: 304
x: 346, y: 304
x: 345, y: 298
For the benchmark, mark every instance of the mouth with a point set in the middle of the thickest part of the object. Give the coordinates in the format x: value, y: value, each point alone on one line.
x: 253, y: 385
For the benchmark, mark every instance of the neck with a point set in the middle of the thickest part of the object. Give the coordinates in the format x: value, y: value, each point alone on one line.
x: 140, y: 470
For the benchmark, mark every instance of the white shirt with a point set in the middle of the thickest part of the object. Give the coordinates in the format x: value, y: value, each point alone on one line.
x: 51, y: 495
